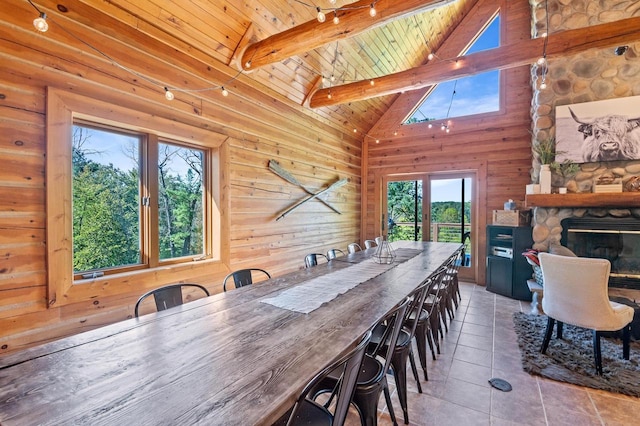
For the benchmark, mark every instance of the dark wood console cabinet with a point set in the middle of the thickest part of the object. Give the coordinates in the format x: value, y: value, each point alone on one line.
x: 507, y: 270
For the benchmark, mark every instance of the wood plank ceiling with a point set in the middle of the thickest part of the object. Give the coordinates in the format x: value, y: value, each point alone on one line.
x: 217, y: 28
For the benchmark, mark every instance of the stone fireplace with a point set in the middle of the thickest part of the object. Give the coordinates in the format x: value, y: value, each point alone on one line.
x: 598, y: 74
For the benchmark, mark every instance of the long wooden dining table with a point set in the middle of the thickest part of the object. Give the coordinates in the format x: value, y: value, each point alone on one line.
x: 227, y: 359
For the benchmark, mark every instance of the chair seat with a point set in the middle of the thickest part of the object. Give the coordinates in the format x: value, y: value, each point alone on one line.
x: 370, y: 371
x: 622, y: 313
x: 311, y: 413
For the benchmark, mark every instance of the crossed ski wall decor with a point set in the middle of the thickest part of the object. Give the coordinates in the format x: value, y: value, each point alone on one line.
x: 276, y: 168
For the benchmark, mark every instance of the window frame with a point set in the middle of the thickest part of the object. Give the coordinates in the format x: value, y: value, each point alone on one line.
x: 64, y: 109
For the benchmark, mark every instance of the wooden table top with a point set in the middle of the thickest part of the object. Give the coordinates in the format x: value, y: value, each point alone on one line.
x: 226, y: 359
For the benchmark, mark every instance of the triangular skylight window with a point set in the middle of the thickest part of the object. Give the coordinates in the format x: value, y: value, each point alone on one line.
x: 466, y: 96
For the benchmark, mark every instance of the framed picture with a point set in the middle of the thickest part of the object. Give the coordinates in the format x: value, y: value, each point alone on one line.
x: 599, y: 131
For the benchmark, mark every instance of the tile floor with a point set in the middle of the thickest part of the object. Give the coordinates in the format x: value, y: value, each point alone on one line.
x: 481, y: 344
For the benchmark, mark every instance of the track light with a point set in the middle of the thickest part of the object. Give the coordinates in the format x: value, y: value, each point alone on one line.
x: 321, y: 16
x: 372, y: 11
x: 168, y: 94
x: 41, y: 23
x: 621, y: 50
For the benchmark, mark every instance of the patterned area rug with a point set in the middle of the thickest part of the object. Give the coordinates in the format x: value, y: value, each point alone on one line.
x: 571, y: 358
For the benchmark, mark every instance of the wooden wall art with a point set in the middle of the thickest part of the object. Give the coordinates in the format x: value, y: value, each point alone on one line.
x: 276, y: 168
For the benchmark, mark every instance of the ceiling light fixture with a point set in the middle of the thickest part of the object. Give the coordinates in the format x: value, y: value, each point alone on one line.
x: 372, y: 11
x: 321, y: 15
x: 225, y: 92
x: 168, y: 94
x: 336, y: 20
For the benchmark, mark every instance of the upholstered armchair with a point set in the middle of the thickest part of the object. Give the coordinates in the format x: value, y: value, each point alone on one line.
x: 576, y: 292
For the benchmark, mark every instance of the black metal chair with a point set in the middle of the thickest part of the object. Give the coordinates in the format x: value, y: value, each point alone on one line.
x: 168, y: 296
x: 402, y: 349
x: 309, y: 412
x: 333, y: 253
x: 353, y: 247
x: 372, y: 379
x: 243, y: 277
x: 311, y: 259
x: 424, y: 329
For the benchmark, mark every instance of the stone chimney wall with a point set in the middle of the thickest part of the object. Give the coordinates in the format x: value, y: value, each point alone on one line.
x: 597, y: 74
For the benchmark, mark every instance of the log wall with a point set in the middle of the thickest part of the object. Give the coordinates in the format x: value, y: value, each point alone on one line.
x: 256, y: 123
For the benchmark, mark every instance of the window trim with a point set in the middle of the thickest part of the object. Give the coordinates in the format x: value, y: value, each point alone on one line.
x: 63, y: 108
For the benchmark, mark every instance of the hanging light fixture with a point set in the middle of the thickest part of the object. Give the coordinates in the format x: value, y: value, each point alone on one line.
x: 372, y: 10
x: 542, y: 61
x: 225, y: 92
x: 168, y: 94
x: 336, y: 20
x: 321, y: 15
x: 40, y: 23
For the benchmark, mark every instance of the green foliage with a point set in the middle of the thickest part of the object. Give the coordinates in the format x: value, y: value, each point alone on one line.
x: 565, y: 169
x: 105, y: 218
x: 546, y: 150
x: 107, y: 211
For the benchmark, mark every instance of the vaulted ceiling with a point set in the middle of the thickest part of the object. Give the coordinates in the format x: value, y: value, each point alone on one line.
x: 221, y: 29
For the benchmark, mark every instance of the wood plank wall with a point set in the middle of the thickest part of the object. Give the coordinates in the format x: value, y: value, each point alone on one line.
x: 258, y: 124
x: 497, y: 146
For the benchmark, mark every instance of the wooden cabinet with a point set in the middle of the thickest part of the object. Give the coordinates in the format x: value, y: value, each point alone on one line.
x: 507, y: 270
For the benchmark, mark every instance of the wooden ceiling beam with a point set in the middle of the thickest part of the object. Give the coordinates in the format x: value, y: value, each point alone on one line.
x: 354, y: 20
x: 525, y: 52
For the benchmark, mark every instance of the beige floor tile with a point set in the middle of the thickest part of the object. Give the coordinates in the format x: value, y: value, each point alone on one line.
x: 616, y: 410
x: 561, y: 400
x: 471, y: 373
x: 479, y: 342
x: 473, y: 355
x: 466, y: 394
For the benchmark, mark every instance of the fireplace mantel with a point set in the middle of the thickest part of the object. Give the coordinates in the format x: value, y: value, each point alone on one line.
x: 585, y: 200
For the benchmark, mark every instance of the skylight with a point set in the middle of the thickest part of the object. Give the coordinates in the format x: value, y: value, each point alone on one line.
x: 476, y: 94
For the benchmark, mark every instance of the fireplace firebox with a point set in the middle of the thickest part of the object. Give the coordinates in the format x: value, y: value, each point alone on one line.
x: 614, y: 239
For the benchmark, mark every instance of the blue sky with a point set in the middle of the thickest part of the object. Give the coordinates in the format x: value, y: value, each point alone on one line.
x: 473, y: 95
x: 449, y: 189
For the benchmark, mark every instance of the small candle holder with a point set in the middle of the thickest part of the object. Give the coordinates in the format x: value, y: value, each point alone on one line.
x: 384, y: 253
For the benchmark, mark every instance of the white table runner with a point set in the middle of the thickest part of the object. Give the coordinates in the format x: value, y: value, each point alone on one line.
x: 310, y: 295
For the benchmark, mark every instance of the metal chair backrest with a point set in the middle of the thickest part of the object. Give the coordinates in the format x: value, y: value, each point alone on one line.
x: 167, y: 297
x: 392, y: 323
x: 243, y: 277
x: 343, y: 392
x: 312, y: 259
x: 379, y: 240
x: 353, y: 247
x: 369, y: 243
x: 333, y: 253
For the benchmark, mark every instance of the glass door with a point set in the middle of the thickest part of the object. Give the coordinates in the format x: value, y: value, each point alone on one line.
x: 450, y: 215
x: 442, y: 212
x: 404, y: 210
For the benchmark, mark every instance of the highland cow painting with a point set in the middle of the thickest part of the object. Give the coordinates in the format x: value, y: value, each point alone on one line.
x: 599, y: 131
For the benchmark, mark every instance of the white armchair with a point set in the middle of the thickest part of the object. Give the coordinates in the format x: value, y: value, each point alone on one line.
x: 576, y: 292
